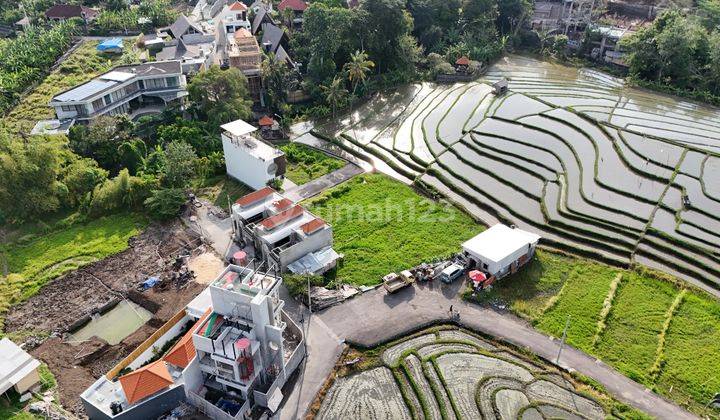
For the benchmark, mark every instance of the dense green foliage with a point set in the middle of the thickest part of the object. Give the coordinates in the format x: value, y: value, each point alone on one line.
x: 117, y: 19
x: 306, y: 164
x: 382, y: 225
x: 165, y: 204
x: 553, y: 287
x: 220, y: 96
x: 25, y: 59
x: 679, y: 52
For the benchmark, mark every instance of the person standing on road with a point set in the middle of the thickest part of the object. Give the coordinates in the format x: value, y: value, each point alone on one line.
x: 451, y: 310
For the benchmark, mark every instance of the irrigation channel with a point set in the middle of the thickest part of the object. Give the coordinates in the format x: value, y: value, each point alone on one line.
x: 597, y: 168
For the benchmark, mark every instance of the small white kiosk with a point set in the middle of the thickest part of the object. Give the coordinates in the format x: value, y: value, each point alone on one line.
x: 500, y: 250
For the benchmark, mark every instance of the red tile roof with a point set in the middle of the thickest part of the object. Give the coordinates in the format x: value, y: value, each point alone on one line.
x: 313, y: 225
x: 297, y: 5
x: 146, y: 381
x: 184, y: 350
x: 283, y: 204
x: 264, y: 121
x: 282, y: 217
x: 254, y: 196
x: 238, y: 6
x: 463, y: 61
x: 66, y: 11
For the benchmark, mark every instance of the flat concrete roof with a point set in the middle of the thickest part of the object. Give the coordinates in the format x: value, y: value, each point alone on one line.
x: 498, y: 242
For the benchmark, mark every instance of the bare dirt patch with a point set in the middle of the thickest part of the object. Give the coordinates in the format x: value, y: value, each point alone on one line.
x: 206, y: 267
x: 60, y: 304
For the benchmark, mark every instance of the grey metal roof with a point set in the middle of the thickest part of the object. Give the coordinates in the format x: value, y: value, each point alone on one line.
x: 99, y: 85
x: 181, y: 25
x: 273, y: 35
x: 85, y: 90
x: 261, y: 16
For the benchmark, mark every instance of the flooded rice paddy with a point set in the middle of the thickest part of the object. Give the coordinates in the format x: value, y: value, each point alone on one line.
x: 617, y: 173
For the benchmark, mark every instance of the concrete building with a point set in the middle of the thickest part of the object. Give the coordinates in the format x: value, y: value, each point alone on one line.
x: 192, y: 43
x: 233, y: 17
x: 500, y: 250
x: 243, y: 53
x: 136, y: 89
x: 283, y: 234
x: 18, y: 370
x: 232, y: 360
x: 248, y: 159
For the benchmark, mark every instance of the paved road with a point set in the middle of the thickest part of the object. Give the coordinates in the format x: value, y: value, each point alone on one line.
x: 376, y: 317
x: 318, y: 185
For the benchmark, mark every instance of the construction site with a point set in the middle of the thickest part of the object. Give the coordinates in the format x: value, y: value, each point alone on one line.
x: 84, y: 323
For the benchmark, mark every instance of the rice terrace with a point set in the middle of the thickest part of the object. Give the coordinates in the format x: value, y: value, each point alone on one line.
x: 449, y: 373
x: 619, y: 174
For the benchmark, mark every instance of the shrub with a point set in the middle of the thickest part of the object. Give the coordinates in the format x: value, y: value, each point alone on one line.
x: 166, y: 203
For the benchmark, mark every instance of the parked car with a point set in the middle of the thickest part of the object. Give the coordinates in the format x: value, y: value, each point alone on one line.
x: 393, y: 282
x: 451, y: 273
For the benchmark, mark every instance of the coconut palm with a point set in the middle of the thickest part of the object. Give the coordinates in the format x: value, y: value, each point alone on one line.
x: 334, y: 93
x: 358, y: 68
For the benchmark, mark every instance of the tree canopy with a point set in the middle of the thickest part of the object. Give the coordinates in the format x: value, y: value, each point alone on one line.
x: 220, y: 96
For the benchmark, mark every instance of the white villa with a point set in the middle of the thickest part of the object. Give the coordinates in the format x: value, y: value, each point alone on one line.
x: 136, y: 90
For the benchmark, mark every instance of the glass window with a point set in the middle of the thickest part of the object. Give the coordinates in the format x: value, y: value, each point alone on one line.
x: 171, y: 81
x: 107, y: 99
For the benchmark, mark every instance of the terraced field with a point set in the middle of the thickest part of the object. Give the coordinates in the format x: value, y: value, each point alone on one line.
x: 621, y: 175
x: 452, y: 374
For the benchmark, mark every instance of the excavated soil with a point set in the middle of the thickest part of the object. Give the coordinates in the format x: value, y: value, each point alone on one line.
x: 70, y: 298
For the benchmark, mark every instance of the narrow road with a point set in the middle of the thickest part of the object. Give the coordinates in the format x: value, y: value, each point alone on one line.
x: 318, y: 185
x: 376, y: 317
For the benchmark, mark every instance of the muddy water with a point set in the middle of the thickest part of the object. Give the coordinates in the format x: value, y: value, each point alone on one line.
x: 114, y: 325
x: 638, y: 110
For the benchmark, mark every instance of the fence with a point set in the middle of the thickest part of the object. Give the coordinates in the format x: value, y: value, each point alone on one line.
x: 213, y: 411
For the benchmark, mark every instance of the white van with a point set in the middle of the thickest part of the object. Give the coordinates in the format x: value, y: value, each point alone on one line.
x: 451, y: 273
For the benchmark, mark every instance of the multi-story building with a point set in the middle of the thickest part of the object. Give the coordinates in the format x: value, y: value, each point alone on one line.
x: 135, y: 89
x: 283, y: 234
x: 249, y: 159
x: 193, y: 43
x: 243, y: 53
x: 233, y: 359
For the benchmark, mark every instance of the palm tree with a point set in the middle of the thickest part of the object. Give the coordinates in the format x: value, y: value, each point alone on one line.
x: 334, y: 93
x: 357, y: 68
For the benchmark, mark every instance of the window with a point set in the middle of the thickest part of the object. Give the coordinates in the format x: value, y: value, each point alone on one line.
x: 97, y: 104
x: 171, y: 81
x: 485, y: 266
x: 107, y: 99
x: 68, y: 108
x: 141, y: 84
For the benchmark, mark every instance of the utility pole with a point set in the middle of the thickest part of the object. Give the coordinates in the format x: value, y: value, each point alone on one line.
x: 562, y: 340
x: 307, y: 274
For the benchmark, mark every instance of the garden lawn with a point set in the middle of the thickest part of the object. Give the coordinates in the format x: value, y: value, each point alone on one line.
x: 306, y: 163
x: 581, y: 299
x: 82, y: 65
x: 382, y: 226
x: 692, y: 352
x: 31, y: 265
x: 635, y: 321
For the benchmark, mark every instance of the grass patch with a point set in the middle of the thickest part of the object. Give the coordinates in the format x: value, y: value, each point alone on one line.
x: 630, y: 341
x: 32, y: 264
x: 221, y: 190
x: 692, y: 351
x: 82, y: 65
x: 306, y: 163
x: 630, y: 338
x: 582, y: 300
x: 382, y: 225
x: 530, y: 290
